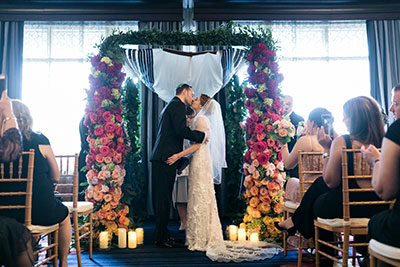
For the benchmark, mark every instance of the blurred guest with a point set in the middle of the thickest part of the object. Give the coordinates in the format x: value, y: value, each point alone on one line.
x: 83, y: 132
x: 46, y: 209
x: 295, y: 119
x: 15, y: 238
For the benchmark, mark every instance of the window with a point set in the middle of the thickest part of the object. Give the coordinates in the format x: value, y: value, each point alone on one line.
x: 323, y: 63
x: 55, y: 74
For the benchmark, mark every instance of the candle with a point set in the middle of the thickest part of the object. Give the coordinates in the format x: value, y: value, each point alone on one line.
x: 103, y: 240
x: 254, y: 237
x: 139, y: 235
x: 121, y: 237
x: 233, y: 232
x: 242, y: 234
x: 131, y: 239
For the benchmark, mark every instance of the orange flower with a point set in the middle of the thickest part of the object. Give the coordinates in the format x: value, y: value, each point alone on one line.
x: 261, y: 136
x: 117, y: 196
x: 98, y: 196
x: 254, y: 191
x: 99, y: 158
x: 112, y: 215
x: 101, y: 214
x: 107, y: 198
x: 107, y: 159
x: 254, y: 201
x: 264, y: 207
x: 118, y: 158
x: 115, y: 174
x: 256, y: 174
x: 124, y: 221
x: 114, y: 204
x: 263, y: 191
x: 277, y: 208
x: 257, y: 183
x: 256, y: 214
x: 104, y: 141
x: 110, y: 135
x: 266, y: 199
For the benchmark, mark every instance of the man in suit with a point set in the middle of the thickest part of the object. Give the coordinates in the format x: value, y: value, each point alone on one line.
x: 172, y: 130
x: 294, y: 119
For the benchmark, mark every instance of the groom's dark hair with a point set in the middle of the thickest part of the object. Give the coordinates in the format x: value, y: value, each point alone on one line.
x: 181, y: 87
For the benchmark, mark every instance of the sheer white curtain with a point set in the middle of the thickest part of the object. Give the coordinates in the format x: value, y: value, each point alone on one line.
x: 55, y: 75
x: 324, y: 63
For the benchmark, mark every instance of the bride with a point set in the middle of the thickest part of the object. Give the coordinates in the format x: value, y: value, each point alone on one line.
x: 204, y: 230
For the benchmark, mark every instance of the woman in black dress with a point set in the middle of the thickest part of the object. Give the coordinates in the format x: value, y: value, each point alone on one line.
x: 15, y: 238
x: 46, y: 209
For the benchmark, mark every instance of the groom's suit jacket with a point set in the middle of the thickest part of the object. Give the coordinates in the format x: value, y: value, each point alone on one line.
x: 172, y: 130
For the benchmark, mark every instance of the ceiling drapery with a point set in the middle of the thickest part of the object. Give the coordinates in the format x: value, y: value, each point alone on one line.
x: 162, y: 70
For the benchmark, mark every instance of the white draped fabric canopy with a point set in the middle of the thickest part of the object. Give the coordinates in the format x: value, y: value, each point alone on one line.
x: 162, y: 70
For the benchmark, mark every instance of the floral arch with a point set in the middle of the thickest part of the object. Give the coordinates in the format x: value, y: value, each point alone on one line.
x: 262, y: 167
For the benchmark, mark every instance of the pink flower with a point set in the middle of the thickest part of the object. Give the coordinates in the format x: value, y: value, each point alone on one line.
x: 93, y: 150
x: 120, y: 147
x: 260, y: 146
x: 118, y: 131
x: 98, y: 131
x: 118, y: 158
x: 109, y: 127
x: 254, y: 117
x: 105, y: 150
x: 97, y: 100
x: 99, y: 158
x: 263, y: 158
x: 118, y: 118
x: 259, y: 128
x: 107, y: 116
x: 263, y: 191
x: 93, y: 117
x: 115, y: 174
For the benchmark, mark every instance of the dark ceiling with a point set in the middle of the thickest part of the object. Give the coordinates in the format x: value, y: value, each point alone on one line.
x: 158, y: 10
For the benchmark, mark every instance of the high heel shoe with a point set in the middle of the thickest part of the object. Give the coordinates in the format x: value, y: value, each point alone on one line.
x: 290, y: 231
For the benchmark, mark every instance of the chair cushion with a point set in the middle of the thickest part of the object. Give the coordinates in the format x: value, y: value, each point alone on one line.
x: 339, y: 222
x: 37, y: 229
x: 384, y: 250
x: 83, y: 206
x: 292, y: 205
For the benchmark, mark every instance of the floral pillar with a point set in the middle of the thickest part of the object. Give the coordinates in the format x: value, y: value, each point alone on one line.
x: 263, y: 166
x: 105, y: 162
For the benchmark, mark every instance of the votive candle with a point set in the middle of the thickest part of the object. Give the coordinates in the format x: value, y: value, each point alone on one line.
x: 254, y: 237
x: 121, y: 237
x: 233, y: 232
x: 139, y: 235
x: 132, y: 239
x: 242, y: 234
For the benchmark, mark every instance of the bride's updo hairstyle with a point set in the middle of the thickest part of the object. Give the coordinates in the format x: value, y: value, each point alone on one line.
x: 204, y: 99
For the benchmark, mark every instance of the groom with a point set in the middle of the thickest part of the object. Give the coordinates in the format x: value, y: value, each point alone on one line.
x: 172, y: 130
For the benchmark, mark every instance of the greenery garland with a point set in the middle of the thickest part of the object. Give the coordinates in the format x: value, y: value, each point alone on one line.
x: 236, y: 145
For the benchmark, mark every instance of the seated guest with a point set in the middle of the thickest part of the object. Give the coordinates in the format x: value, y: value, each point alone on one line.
x: 307, y: 143
x: 15, y: 238
x: 46, y: 209
x: 324, y: 197
x: 384, y: 226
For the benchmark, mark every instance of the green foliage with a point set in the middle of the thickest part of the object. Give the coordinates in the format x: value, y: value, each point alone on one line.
x: 229, y: 34
x: 134, y: 184
x: 236, y: 145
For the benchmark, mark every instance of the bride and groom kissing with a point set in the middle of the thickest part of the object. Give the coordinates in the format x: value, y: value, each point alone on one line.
x: 207, y: 134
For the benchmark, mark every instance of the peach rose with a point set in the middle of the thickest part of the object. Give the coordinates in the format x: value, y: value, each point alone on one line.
x: 256, y: 174
x: 264, y: 207
x: 117, y: 196
x: 107, y: 160
x: 110, y: 135
x: 115, y: 173
x: 118, y: 158
x: 114, y: 204
x: 107, y: 197
x: 277, y: 209
x: 263, y: 191
x: 99, y: 158
x: 256, y: 214
x: 257, y: 183
x: 98, y: 195
x: 255, y: 163
x: 89, y: 194
x: 283, y: 132
x: 101, y: 214
x: 254, y: 191
x: 266, y: 199
x: 261, y: 136
x: 112, y: 215
x: 254, y: 202
x: 103, y: 141
x: 253, y: 155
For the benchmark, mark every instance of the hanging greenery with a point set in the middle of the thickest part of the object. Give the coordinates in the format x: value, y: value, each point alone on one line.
x: 236, y: 145
x: 134, y: 184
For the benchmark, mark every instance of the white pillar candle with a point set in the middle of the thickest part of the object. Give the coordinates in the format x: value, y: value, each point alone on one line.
x: 131, y: 239
x: 254, y: 237
x: 242, y: 234
x: 121, y: 237
x: 139, y: 235
x: 103, y: 238
x: 233, y: 232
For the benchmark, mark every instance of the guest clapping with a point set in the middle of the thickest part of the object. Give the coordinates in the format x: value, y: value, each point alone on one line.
x: 46, y: 209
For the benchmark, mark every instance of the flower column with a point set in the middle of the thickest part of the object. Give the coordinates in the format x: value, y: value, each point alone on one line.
x: 263, y: 166
x: 105, y: 162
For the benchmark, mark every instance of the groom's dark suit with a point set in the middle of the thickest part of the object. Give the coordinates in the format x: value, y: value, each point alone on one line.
x: 171, y: 132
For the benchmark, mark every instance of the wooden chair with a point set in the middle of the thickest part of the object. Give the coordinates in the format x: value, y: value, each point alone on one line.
x: 309, y: 163
x: 68, y: 190
x: 347, y: 226
x: 382, y: 252
x: 16, y: 174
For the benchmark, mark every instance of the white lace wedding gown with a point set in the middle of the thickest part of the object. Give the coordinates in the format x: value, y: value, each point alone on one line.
x: 203, y: 230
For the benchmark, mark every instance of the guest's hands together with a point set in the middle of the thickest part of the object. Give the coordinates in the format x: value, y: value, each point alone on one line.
x: 370, y: 154
x: 171, y: 160
x: 324, y: 139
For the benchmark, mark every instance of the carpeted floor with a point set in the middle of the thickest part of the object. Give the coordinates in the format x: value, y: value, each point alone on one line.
x: 150, y: 255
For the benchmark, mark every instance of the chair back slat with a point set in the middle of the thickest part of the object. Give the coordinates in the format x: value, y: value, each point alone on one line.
x: 26, y: 160
x: 361, y: 171
x: 68, y: 186
x: 309, y: 163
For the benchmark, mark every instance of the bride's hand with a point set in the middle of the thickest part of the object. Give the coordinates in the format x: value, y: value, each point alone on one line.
x: 171, y: 160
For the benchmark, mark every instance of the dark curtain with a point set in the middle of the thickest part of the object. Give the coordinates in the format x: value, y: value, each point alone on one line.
x: 11, y: 57
x: 384, y: 56
x: 152, y: 106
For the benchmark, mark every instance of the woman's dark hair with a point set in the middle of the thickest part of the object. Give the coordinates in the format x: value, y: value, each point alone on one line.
x: 321, y: 117
x: 365, y: 120
x: 204, y: 99
x: 181, y: 87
